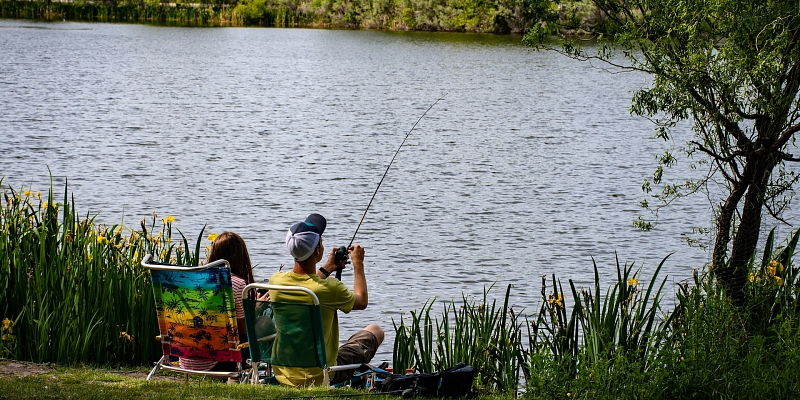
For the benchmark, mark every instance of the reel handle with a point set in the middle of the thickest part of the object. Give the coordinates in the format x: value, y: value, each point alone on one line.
x: 341, y: 257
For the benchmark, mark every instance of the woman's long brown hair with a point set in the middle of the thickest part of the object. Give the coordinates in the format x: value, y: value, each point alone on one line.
x: 230, y: 247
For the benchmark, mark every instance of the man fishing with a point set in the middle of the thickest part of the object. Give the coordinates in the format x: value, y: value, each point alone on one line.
x: 304, y: 242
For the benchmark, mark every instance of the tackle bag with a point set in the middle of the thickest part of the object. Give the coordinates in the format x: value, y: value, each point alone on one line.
x: 452, y: 382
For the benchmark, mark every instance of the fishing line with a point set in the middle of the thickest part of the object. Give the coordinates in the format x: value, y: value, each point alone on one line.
x: 341, y: 254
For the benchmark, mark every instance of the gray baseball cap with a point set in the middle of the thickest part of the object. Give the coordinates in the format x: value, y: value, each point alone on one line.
x: 303, y: 237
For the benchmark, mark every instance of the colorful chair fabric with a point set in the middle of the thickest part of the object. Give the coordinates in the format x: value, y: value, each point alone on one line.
x: 196, y: 316
x: 286, y: 334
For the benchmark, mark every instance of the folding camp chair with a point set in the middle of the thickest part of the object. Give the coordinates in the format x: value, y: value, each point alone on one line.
x: 287, y: 334
x: 196, y: 316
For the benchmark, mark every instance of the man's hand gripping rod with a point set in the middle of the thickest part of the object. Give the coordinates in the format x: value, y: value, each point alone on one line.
x: 342, y: 256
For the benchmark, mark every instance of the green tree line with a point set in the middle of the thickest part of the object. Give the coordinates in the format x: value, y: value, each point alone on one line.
x: 480, y: 16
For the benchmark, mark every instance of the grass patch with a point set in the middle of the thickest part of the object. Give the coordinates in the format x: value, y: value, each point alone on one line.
x: 40, y: 381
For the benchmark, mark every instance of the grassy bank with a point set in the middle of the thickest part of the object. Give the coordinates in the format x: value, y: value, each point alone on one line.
x: 485, y: 16
x: 37, y: 381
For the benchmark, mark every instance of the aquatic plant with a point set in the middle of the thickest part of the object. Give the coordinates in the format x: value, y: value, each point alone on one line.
x: 626, y: 320
x: 482, y: 334
x: 624, y: 323
x: 773, y: 284
x: 72, y: 289
x: 704, y: 348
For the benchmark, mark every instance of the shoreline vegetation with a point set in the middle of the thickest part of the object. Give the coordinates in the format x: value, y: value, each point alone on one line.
x: 474, y: 16
x: 72, y: 293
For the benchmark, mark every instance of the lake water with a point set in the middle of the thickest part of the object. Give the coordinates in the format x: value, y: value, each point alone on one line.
x: 531, y: 164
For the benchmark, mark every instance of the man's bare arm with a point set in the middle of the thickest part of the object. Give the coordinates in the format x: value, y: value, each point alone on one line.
x: 359, y: 279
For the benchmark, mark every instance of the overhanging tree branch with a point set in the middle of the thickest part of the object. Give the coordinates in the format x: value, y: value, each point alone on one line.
x: 726, y: 159
x: 776, y: 214
x: 784, y: 137
x: 729, y: 125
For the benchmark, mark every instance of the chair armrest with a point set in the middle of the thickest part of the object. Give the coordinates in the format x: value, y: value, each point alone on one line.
x: 344, y: 367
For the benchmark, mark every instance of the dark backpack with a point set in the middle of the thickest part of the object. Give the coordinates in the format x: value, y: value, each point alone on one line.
x: 452, y: 382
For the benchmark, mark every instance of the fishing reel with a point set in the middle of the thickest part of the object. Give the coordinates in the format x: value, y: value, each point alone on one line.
x: 342, y: 258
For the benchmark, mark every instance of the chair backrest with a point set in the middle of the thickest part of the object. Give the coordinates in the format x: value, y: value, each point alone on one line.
x: 196, y: 310
x: 287, y: 334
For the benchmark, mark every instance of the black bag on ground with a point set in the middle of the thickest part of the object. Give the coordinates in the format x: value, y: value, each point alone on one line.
x: 452, y: 382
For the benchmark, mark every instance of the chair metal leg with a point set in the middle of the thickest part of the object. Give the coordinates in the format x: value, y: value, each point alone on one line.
x: 158, y: 365
x: 326, y: 381
x: 254, y: 373
x: 243, y: 375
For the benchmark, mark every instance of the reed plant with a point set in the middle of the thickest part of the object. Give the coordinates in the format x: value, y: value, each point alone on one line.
x: 482, y: 333
x: 564, y: 339
x: 601, y: 336
x: 773, y: 289
x: 73, y: 291
x: 553, y: 331
x: 626, y: 320
x: 706, y: 347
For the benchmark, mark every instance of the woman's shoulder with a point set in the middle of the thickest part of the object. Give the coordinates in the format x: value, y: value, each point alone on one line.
x: 237, y: 282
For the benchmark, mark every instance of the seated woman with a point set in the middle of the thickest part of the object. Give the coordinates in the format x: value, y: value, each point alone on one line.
x: 230, y: 247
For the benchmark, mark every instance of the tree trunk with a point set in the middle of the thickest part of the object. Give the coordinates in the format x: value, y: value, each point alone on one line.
x: 732, y: 274
x: 724, y: 229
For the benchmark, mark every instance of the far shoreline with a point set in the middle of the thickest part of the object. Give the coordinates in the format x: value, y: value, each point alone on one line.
x: 487, y: 17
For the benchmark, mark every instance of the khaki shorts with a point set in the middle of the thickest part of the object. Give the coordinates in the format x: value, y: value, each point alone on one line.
x: 359, y: 349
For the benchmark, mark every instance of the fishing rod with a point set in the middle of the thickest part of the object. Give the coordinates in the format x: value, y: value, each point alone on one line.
x: 342, y: 256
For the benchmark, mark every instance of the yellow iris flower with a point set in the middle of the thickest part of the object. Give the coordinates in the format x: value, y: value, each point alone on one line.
x: 557, y: 300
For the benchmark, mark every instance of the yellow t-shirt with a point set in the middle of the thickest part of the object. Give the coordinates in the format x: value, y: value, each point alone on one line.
x: 333, y: 295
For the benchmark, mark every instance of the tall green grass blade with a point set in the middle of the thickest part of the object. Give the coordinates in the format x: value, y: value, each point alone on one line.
x: 71, y: 290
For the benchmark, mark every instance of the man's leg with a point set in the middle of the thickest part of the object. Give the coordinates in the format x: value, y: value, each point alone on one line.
x: 375, y: 330
x: 359, y: 349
